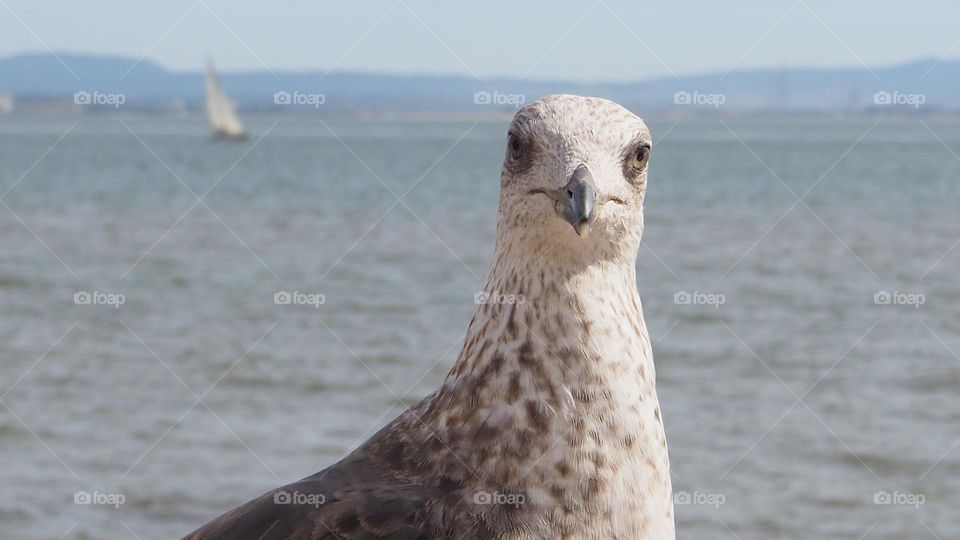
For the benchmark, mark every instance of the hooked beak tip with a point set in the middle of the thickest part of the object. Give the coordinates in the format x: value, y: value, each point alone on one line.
x: 582, y: 228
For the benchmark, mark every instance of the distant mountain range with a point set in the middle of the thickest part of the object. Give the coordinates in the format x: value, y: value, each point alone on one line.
x: 38, y: 78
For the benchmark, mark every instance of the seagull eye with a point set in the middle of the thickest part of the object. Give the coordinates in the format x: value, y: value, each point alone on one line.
x: 514, y: 147
x: 640, y: 156
x: 521, y: 152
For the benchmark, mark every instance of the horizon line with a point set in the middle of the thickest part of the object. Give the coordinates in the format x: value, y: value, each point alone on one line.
x: 59, y: 55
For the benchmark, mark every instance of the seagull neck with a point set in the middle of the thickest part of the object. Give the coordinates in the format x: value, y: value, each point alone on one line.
x: 580, y: 319
x: 554, y: 381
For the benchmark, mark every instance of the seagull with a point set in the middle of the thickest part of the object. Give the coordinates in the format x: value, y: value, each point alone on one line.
x: 548, y: 424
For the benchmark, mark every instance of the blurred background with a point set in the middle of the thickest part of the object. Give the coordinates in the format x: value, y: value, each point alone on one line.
x: 237, y: 239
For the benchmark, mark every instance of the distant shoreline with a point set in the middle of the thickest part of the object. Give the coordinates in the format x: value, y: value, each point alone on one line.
x: 69, y: 110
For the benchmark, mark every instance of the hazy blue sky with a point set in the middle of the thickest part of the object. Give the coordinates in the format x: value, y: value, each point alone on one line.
x: 613, y: 40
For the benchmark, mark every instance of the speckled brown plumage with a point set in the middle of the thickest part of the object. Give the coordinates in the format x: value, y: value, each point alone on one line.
x: 548, y: 425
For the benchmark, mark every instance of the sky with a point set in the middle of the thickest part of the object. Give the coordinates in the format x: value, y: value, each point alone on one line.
x: 590, y: 40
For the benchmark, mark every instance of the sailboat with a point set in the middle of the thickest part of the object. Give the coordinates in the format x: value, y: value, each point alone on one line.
x: 223, y: 119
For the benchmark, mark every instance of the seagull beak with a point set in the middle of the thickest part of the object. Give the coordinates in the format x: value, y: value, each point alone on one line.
x: 582, y: 193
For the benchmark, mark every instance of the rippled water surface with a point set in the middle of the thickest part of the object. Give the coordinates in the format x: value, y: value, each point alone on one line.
x: 790, y: 407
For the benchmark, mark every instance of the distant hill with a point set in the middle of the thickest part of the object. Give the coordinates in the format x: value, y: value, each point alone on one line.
x: 144, y: 84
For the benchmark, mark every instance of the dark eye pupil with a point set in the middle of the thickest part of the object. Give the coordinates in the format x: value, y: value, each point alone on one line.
x: 514, y: 146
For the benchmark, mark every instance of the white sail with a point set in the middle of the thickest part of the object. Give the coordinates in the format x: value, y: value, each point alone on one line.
x: 224, y: 122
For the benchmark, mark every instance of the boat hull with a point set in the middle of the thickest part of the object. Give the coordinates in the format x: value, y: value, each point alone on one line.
x: 223, y: 136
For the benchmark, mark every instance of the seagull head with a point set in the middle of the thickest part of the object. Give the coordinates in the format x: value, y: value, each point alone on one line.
x: 574, y: 176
